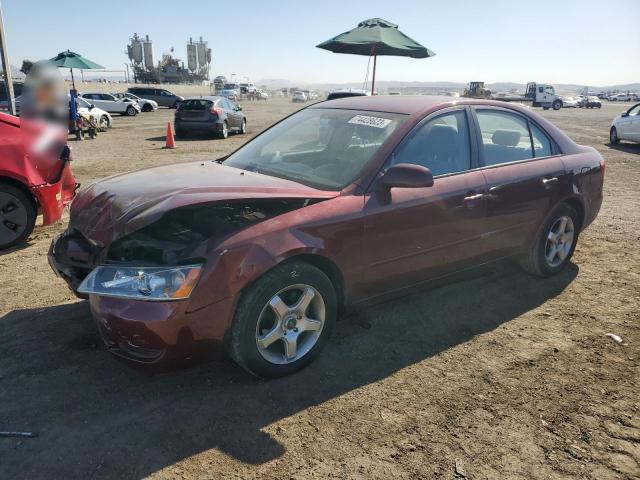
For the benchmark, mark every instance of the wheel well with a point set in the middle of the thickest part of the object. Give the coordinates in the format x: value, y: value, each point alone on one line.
x: 15, y: 183
x: 330, y: 269
x: 578, y: 207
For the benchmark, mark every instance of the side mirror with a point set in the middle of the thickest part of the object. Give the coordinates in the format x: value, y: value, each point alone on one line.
x: 91, y: 106
x: 406, y: 175
x: 238, y: 108
x: 625, y: 114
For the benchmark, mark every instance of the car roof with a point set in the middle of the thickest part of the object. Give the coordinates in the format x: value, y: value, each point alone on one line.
x: 404, y: 104
x: 213, y: 98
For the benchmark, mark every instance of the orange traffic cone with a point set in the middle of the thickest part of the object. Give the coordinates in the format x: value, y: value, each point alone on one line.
x: 170, y: 143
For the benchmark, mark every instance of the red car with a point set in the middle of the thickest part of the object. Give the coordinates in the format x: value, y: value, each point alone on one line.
x: 35, y: 177
x: 343, y: 203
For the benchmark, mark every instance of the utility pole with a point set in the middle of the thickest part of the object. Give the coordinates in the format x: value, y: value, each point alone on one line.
x: 6, y: 67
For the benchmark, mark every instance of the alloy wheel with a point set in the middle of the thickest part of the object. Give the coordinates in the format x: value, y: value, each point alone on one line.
x: 559, y: 241
x: 290, y: 324
x: 13, y: 218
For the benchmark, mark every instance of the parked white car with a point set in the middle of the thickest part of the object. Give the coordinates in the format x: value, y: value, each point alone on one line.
x: 102, y: 117
x: 230, y: 91
x: 146, y: 105
x: 569, y: 102
x: 626, y: 126
x: 299, y: 97
x: 262, y: 95
x: 620, y: 97
x: 111, y: 104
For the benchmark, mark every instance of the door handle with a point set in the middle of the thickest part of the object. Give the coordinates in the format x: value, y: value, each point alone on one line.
x: 549, y: 181
x: 473, y: 198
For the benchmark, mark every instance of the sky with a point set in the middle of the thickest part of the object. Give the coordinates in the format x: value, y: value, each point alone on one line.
x: 585, y: 42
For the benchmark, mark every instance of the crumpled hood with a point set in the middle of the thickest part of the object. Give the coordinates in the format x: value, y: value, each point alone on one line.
x: 119, y: 205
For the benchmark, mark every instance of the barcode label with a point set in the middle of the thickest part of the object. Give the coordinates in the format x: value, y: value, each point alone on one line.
x: 369, y: 121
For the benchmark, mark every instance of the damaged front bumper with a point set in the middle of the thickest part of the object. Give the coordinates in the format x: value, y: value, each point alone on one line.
x: 72, y: 257
x: 144, y: 332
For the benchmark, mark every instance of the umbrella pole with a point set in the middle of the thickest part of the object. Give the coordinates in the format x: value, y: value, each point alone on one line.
x: 73, y: 83
x: 373, y: 81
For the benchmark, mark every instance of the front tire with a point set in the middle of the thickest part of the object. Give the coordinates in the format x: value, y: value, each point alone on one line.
x: 613, y: 136
x: 243, y: 128
x: 147, y: 108
x: 554, y: 243
x: 17, y: 216
x: 103, y: 125
x: 283, y: 320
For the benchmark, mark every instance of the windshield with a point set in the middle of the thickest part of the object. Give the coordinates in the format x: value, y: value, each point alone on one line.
x: 322, y: 148
x: 229, y: 86
x: 82, y: 103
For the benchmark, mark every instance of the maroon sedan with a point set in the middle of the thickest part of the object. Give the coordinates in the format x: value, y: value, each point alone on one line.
x: 340, y: 204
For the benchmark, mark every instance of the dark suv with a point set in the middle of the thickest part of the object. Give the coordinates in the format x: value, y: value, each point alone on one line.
x: 209, y: 114
x: 164, y: 97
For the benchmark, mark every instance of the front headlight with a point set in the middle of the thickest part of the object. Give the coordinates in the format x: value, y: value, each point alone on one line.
x: 142, y: 283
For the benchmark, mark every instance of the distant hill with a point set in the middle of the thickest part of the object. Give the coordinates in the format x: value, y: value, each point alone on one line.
x: 440, y: 86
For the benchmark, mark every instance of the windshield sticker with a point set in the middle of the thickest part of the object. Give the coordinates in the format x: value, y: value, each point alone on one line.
x: 368, y: 121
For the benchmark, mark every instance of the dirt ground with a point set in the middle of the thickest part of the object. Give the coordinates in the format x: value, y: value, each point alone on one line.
x: 498, y: 376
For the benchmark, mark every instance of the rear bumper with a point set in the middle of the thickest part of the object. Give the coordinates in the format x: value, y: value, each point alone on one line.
x: 53, y: 197
x: 207, y: 126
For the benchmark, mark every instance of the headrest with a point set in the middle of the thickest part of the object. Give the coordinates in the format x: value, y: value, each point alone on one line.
x: 506, y: 138
x: 443, y: 133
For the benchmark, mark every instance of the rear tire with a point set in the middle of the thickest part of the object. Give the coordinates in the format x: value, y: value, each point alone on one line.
x: 17, y: 216
x: 307, y: 328
x: 613, y: 136
x: 224, y: 131
x: 131, y: 111
x: 557, y: 105
x: 554, y: 242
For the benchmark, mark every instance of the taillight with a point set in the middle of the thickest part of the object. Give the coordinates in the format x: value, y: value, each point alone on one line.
x: 216, y: 110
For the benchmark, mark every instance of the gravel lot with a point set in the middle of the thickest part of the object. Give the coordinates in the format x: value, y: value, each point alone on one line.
x: 498, y: 376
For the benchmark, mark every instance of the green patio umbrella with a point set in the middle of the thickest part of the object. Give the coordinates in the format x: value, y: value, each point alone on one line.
x: 375, y: 37
x: 73, y: 60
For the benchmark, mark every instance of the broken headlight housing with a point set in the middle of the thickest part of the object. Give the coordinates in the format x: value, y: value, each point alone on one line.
x: 142, y: 283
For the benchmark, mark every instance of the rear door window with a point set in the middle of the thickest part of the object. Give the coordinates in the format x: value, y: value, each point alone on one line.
x: 541, y: 143
x: 505, y: 137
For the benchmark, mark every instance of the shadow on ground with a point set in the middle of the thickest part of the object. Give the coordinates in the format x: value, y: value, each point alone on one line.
x: 97, y: 417
x: 626, y: 147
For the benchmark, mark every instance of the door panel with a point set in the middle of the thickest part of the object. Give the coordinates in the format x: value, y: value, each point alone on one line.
x: 423, y: 233
x: 524, y: 178
x: 519, y: 197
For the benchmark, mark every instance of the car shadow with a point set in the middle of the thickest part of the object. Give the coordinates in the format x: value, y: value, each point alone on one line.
x: 98, y: 417
x: 190, y: 137
x: 626, y: 147
x: 16, y: 248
